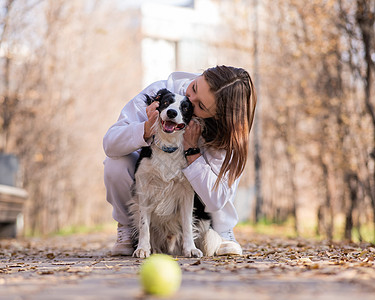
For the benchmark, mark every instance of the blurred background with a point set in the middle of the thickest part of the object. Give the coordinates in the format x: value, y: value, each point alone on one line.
x: 68, y: 67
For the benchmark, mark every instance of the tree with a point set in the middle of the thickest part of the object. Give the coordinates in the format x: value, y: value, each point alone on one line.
x: 357, y: 23
x: 75, y: 58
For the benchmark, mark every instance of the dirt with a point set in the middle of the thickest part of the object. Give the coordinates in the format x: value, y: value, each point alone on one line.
x: 80, y: 267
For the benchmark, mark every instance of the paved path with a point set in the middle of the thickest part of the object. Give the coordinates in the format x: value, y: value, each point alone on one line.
x: 79, y: 267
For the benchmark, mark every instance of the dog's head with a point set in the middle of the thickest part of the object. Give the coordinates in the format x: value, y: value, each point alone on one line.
x: 175, y: 110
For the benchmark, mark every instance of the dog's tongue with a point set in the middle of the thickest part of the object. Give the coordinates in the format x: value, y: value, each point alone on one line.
x: 169, y: 126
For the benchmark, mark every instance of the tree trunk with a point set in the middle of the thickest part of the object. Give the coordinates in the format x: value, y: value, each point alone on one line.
x: 327, y: 205
x: 352, y: 184
x: 257, y: 147
x: 365, y: 19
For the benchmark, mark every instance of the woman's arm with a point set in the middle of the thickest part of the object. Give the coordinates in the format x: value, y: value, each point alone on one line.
x: 203, y: 169
x: 202, y: 174
x: 129, y: 132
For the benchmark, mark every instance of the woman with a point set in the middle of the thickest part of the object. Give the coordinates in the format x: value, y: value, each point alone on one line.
x: 224, y: 97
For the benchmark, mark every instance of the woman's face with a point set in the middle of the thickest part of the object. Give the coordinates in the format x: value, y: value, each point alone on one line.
x: 201, y: 97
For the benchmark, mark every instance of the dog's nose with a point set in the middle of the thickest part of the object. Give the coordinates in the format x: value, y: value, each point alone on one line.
x: 171, y: 113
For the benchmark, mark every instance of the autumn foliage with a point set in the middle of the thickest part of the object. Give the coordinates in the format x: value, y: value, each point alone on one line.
x: 66, y: 76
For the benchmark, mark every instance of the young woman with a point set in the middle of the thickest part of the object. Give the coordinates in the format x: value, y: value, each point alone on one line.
x: 224, y: 97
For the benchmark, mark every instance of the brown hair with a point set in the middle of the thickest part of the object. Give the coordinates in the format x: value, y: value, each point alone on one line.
x: 229, y: 129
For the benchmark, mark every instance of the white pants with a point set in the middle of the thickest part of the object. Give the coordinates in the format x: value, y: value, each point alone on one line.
x: 118, y: 180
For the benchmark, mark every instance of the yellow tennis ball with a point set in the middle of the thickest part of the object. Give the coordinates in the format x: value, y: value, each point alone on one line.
x: 160, y: 275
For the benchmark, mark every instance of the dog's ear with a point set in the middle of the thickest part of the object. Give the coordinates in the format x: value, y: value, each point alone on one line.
x: 159, y: 95
x: 149, y: 100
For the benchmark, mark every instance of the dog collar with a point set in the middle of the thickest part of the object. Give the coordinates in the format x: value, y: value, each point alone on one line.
x: 164, y: 148
x: 169, y: 149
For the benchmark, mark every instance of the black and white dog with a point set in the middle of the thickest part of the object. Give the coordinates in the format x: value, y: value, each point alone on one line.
x: 162, y: 203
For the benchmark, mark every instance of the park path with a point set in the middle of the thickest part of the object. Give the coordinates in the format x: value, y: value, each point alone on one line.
x: 79, y: 267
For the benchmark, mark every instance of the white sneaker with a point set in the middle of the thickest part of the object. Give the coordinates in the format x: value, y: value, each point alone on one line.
x: 124, y: 243
x: 229, y: 246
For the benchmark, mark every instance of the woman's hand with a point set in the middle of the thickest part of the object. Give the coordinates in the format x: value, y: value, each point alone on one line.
x: 192, y: 134
x: 152, y: 115
x: 191, y: 137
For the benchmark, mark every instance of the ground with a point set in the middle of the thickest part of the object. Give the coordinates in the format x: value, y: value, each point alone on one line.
x: 79, y: 267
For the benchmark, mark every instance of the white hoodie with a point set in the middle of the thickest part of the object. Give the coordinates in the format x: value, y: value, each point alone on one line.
x: 126, y: 136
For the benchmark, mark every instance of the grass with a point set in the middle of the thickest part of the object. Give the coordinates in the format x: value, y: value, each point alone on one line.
x: 267, y: 227
x: 367, y: 233
x: 82, y: 229
x: 286, y: 229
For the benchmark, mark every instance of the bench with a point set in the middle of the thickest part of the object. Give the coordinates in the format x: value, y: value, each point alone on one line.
x: 12, y: 201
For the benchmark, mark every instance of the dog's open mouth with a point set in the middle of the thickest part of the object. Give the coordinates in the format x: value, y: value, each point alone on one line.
x: 169, y: 126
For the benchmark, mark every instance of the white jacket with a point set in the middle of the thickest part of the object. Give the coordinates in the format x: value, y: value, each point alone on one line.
x: 126, y: 136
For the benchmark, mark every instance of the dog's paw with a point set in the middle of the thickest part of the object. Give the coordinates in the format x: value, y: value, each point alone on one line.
x: 193, y: 253
x: 141, y: 253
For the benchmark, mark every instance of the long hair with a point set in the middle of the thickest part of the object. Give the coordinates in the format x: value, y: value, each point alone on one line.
x: 235, y: 106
